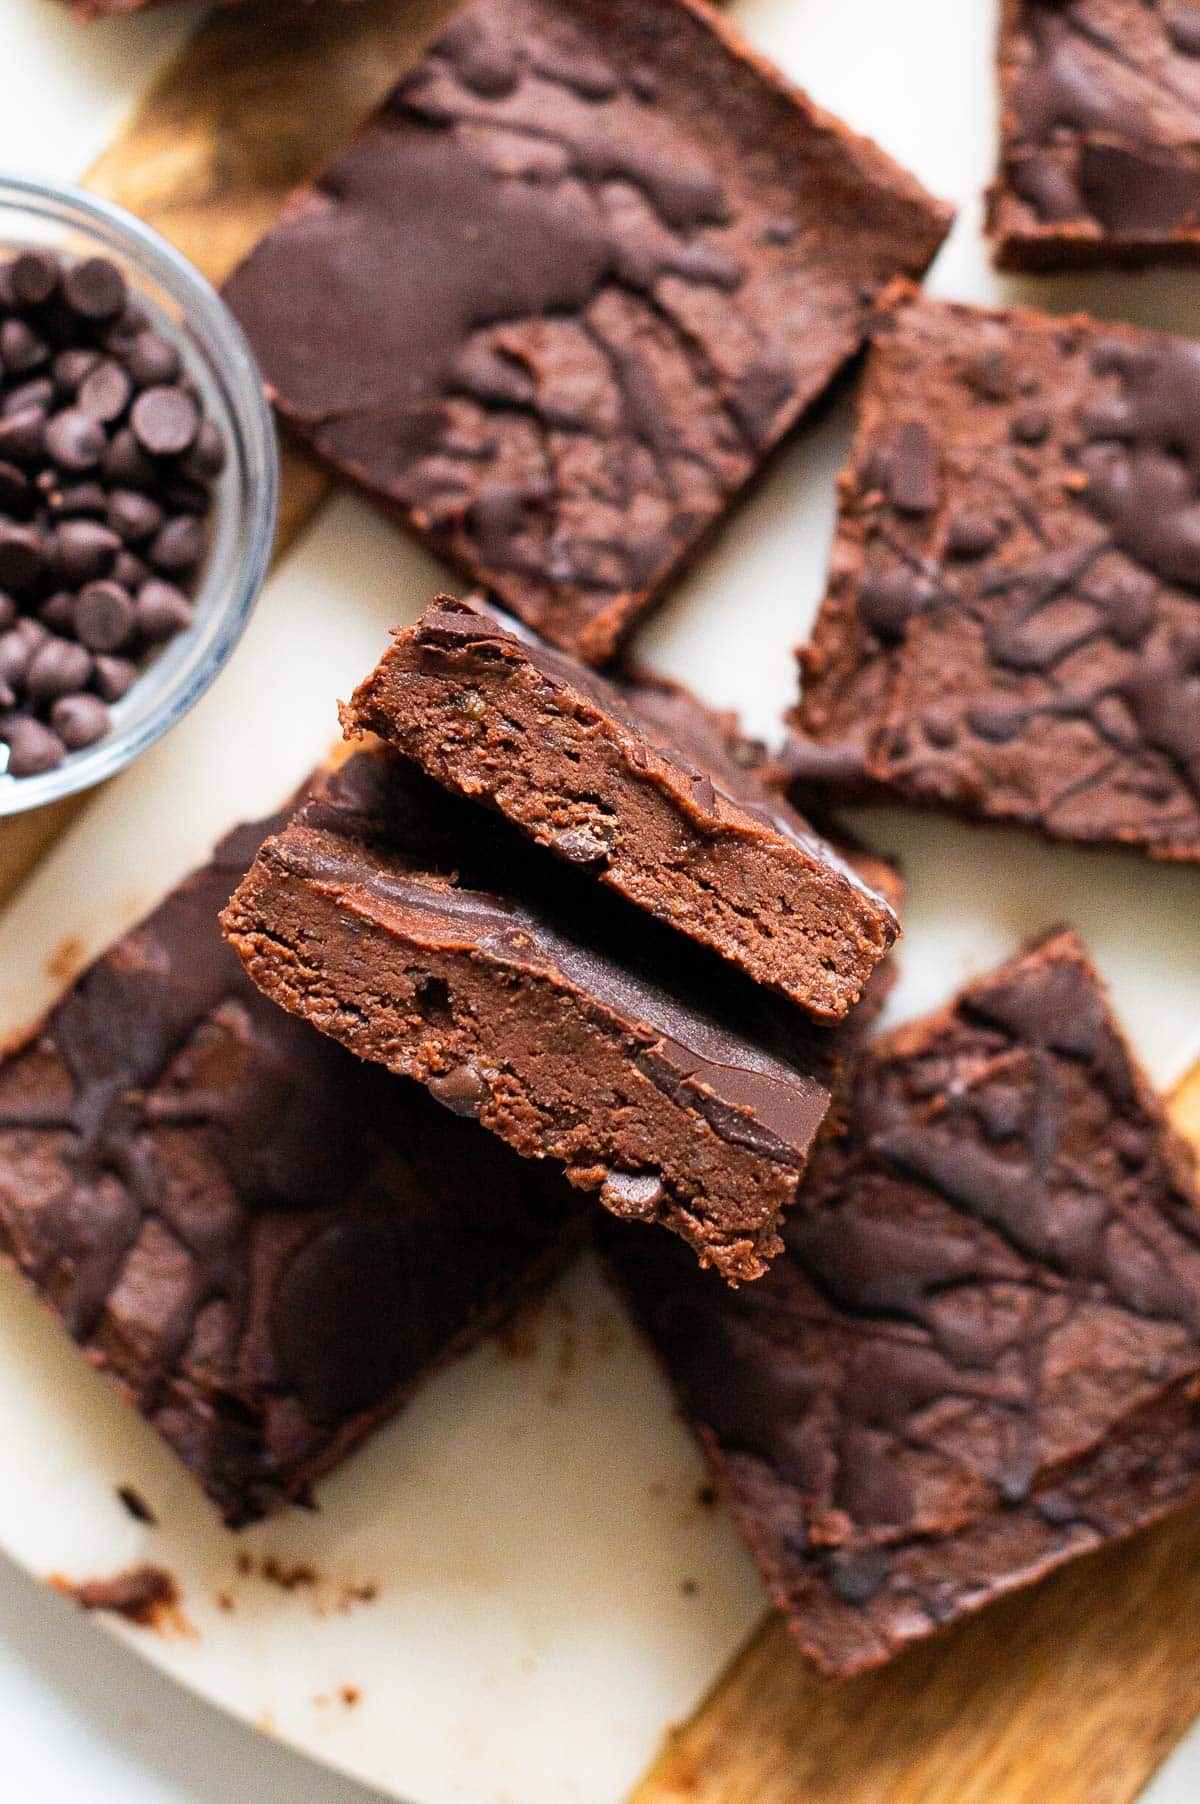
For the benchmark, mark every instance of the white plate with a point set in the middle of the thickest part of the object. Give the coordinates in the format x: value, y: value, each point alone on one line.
x: 551, y: 1595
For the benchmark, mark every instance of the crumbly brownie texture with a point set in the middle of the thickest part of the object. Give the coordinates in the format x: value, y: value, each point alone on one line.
x: 979, y: 1354
x: 265, y: 1243
x: 426, y: 934
x: 1012, y: 626
x: 585, y: 266
x: 562, y: 753
x: 1100, y: 134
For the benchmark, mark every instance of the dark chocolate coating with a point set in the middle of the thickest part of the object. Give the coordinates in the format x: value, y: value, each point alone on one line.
x: 425, y: 933
x: 264, y: 1242
x: 584, y: 267
x: 979, y: 1353
x: 1100, y: 134
x: 493, y: 713
x: 1026, y: 647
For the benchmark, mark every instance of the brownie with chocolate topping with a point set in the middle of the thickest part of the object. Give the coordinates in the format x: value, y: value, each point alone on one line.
x: 585, y: 266
x: 979, y: 1353
x: 1012, y: 624
x: 1100, y: 134
x: 263, y: 1242
x: 426, y: 934
x: 495, y: 714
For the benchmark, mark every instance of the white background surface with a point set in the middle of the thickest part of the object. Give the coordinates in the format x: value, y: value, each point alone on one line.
x: 81, y: 1716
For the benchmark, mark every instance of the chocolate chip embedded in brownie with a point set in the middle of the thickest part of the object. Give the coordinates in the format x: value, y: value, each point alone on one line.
x: 1100, y: 134
x: 1012, y: 624
x: 564, y: 754
x: 979, y: 1353
x: 424, y: 933
x: 573, y: 280
x: 265, y: 1243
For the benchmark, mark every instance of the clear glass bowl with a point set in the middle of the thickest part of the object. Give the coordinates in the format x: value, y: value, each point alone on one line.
x: 186, y: 309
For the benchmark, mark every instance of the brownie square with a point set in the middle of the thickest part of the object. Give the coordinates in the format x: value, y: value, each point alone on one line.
x: 1100, y: 134
x: 564, y: 754
x: 979, y: 1353
x: 427, y: 935
x: 264, y: 1243
x: 568, y: 286
x: 1012, y: 625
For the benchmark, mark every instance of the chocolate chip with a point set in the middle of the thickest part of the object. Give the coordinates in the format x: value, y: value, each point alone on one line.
x: 152, y: 360
x: 57, y: 668
x: 14, y: 659
x: 32, y: 632
x: 21, y: 348
x: 104, y: 616
x: 33, y: 278
x: 179, y: 547
x: 1030, y: 425
x: 58, y: 612
x: 970, y: 535
x: 32, y: 748
x: 83, y: 549
x: 184, y: 497
x: 206, y: 458
x: 15, y: 493
x: 165, y: 421
x: 22, y: 436
x: 70, y: 368
x: 79, y: 720
x: 911, y: 472
x: 94, y: 288
x: 124, y: 462
x: 37, y: 392
x: 130, y: 571
x: 104, y: 394
x: 133, y: 515
x: 74, y: 441
x: 113, y: 677
x: 162, y: 611
x: 78, y: 498
x: 22, y: 557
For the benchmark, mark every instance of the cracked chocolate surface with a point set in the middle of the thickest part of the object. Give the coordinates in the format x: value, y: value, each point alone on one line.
x: 979, y: 1353
x: 1100, y: 133
x: 580, y: 271
x: 265, y: 1243
x: 1012, y: 624
x: 424, y: 933
x: 571, y: 759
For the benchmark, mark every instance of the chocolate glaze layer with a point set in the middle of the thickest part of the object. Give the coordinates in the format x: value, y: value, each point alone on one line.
x: 1100, y: 130
x: 425, y: 933
x: 585, y: 265
x: 572, y: 759
x: 979, y: 1353
x: 1026, y: 647
x: 264, y: 1242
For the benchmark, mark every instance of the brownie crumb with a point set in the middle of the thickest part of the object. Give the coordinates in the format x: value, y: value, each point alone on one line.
x: 288, y: 1578
x: 350, y: 1695
x: 145, y: 1595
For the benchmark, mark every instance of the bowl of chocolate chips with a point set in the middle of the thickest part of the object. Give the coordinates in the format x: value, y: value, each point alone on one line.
x: 138, y: 489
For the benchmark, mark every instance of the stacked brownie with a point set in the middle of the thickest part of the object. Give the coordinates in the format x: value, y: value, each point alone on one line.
x: 632, y: 1036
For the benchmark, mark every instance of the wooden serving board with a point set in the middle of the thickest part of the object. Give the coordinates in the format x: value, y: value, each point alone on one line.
x: 1069, y: 1694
